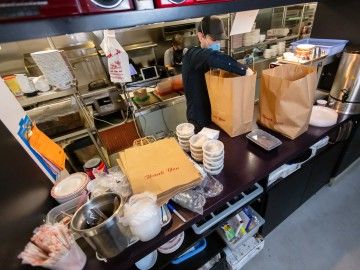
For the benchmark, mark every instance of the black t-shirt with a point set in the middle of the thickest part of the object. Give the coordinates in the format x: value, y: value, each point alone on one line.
x: 196, y: 62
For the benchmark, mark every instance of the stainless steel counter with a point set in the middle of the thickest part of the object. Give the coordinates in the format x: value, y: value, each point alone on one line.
x: 56, y: 94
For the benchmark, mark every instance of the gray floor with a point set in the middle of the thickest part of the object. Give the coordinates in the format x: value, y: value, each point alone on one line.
x: 323, y: 234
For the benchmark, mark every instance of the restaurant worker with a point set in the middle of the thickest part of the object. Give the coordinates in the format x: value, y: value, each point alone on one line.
x: 173, y: 56
x: 197, y: 61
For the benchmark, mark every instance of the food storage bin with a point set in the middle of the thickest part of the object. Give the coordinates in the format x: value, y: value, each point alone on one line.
x: 234, y: 223
x: 330, y: 46
x: 58, y: 213
x: 238, y: 258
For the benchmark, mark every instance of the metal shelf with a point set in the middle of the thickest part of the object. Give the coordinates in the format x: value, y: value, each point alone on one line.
x: 15, y: 31
x: 139, y: 46
x: 245, y: 48
x: 57, y: 94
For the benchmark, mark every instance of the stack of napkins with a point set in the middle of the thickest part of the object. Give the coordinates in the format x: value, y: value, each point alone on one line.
x: 160, y: 167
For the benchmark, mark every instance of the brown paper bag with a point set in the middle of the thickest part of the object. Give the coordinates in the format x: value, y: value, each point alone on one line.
x: 232, y: 101
x: 160, y: 167
x: 286, y: 98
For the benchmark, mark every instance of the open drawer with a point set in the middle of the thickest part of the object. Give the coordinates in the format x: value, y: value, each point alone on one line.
x: 229, y: 208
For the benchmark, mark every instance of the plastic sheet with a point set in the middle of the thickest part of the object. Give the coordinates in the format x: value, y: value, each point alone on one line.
x: 114, y: 181
x: 210, y: 186
x: 75, y: 259
x: 191, y: 200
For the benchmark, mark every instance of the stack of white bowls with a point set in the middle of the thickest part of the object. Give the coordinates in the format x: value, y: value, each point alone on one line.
x: 251, y: 38
x: 70, y: 187
x: 248, y: 39
x: 275, y: 49
x: 281, y: 47
x: 268, y: 53
x: 256, y: 35
x: 196, y: 143
x: 213, y: 156
x: 184, y: 132
x: 237, y: 41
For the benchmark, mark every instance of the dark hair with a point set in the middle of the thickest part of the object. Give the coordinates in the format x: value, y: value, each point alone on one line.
x: 213, y: 27
x: 177, y: 40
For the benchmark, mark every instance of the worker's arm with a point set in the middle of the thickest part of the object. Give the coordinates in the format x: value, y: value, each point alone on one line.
x: 225, y: 62
x: 199, y: 58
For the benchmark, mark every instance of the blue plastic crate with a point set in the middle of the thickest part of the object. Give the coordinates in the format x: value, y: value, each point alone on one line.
x: 331, y: 46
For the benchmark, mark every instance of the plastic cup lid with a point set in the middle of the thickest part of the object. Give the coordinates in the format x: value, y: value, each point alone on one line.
x: 92, y: 163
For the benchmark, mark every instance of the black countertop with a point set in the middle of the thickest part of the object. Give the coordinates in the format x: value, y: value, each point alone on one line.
x: 245, y: 165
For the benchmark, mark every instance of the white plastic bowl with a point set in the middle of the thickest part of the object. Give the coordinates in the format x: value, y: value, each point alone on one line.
x: 213, y: 148
x: 198, y: 140
x: 214, y: 172
x: 185, y: 130
x: 148, y: 261
x: 323, y: 116
x: 214, y: 165
x: 173, y: 244
x: 220, y: 156
x: 321, y: 102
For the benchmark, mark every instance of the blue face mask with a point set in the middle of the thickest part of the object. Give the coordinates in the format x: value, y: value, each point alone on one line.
x: 215, y: 46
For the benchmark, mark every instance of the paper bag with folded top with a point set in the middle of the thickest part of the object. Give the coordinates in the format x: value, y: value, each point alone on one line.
x: 232, y: 100
x: 286, y: 98
x: 161, y: 168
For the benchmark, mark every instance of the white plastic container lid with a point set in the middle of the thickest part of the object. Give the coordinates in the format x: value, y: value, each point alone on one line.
x: 185, y: 129
x: 198, y: 140
x: 213, y: 148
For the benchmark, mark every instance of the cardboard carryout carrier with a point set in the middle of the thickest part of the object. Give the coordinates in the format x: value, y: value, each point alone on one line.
x: 286, y: 98
x: 161, y: 168
x: 232, y: 100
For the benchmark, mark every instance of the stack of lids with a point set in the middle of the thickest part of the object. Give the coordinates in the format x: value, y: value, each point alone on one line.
x: 161, y: 167
x: 70, y: 187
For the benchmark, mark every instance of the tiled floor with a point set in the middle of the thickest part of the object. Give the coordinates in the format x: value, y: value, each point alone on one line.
x: 323, y: 234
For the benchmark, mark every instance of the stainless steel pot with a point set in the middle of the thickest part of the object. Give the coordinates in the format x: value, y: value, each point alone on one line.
x: 345, y: 92
x: 108, y: 238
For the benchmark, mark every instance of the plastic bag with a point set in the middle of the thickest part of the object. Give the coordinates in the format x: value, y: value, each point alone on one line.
x: 142, y: 214
x: 114, y: 181
x: 75, y: 259
x: 191, y: 200
x: 118, y: 59
x: 120, y: 183
x: 210, y: 186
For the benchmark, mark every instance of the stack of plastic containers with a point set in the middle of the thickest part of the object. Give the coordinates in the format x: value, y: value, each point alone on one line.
x: 213, y: 156
x: 196, y: 143
x: 184, y: 132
